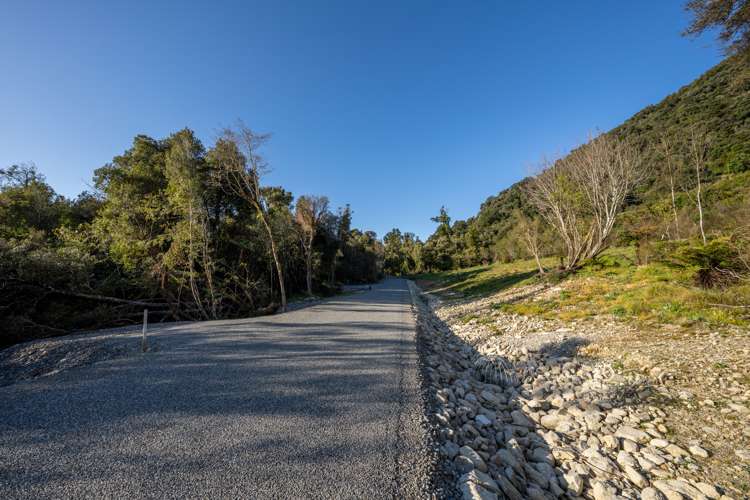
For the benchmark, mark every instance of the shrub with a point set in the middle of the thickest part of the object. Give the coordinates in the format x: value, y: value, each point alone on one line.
x: 721, y: 261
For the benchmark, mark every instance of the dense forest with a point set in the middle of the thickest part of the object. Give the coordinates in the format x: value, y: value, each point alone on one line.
x: 187, y: 232
x: 692, y: 185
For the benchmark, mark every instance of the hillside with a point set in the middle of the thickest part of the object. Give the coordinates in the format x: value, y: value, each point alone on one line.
x: 644, y: 325
x: 718, y: 101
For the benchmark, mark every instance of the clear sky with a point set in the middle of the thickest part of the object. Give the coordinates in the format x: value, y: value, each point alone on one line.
x: 395, y: 107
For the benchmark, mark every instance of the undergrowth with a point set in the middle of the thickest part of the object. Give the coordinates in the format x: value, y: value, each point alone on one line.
x: 613, y: 285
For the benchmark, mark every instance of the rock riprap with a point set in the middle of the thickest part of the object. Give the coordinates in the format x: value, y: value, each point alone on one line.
x: 535, y: 422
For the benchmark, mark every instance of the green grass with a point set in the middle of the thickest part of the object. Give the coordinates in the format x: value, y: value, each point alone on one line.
x: 483, y: 280
x: 612, y: 285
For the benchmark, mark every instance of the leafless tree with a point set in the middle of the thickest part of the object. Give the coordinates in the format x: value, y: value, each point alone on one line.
x: 530, y: 237
x: 698, y: 147
x: 241, y: 169
x: 310, y: 214
x: 669, y: 157
x: 581, y: 195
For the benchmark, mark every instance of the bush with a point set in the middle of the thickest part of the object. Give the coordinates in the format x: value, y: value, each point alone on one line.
x: 721, y: 261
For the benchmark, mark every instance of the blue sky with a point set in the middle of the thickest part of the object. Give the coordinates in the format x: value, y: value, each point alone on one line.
x: 395, y: 107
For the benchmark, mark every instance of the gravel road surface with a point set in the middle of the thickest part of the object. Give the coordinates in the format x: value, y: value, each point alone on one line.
x: 322, y: 402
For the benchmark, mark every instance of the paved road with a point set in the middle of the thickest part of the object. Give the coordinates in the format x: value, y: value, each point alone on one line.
x: 316, y: 403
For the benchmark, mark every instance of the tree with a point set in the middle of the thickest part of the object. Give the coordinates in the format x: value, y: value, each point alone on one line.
x: 530, y: 236
x: 340, y: 228
x: 731, y: 17
x: 666, y: 149
x: 188, y: 233
x: 190, y: 247
x: 443, y: 221
x: 699, y: 144
x: 241, y: 169
x: 581, y: 194
x: 393, y: 252
x: 27, y: 202
x: 310, y: 214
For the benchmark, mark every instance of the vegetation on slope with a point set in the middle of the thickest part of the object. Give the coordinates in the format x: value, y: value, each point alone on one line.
x: 612, y: 285
x: 717, y: 103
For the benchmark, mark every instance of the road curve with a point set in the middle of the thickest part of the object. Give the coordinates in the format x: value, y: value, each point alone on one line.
x: 322, y: 402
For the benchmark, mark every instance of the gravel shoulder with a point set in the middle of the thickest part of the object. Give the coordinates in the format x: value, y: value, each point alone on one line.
x: 322, y: 402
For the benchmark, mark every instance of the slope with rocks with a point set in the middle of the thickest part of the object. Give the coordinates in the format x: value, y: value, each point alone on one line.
x: 533, y: 408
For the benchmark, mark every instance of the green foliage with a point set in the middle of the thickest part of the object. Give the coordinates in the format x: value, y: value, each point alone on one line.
x: 720, y: 262
x: 163, y: 231
x: 402, y: 253
x: 653, y: 293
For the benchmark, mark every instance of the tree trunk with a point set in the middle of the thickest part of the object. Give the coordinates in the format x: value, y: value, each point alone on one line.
x: 674, y: 207
x: 309, y: 273
x: 105, y: 298
x: 538, y: 263
x: 700, y: 206
x: 276, y: 260
x: 333, y: 272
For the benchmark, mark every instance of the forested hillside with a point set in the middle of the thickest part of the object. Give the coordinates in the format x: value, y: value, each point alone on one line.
x: 185, y: 231
x: 716, y: 105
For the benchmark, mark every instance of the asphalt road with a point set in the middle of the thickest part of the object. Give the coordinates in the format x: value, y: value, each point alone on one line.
x: 321, y: 402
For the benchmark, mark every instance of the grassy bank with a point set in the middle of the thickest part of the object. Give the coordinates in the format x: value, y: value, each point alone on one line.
x: 614, y: 285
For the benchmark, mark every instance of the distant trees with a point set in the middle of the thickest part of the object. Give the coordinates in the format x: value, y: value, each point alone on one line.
x: 340, y: 228
x: 440, y: 249
x: 310, y: 214
x: 731, y: 17
x: 402, y: 253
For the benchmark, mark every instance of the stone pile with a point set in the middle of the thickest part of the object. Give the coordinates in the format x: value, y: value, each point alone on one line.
x: 517, y: 422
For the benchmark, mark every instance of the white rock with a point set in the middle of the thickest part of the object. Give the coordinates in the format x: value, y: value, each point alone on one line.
x: 549, y: 421
x: 697, y: 451
x: 610, y: 442
x: 475, y: 488
x: 651, y: 494
x: 659, y: 443
x: 574, y: 483
x: 676, y: 451
x: 633, y: 434
x: 602, y: 490
x: 708, y: 490
x: 679, y: 487
x: 625, y: 458
x: 635, y: 477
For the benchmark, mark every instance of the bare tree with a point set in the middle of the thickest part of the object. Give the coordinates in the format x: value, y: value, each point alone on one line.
x: 581, y: 194
x: 666, y: 149
x: 241, y: 169
x: 530, y: 237
x: 698, y: 147
x: 310, y: 214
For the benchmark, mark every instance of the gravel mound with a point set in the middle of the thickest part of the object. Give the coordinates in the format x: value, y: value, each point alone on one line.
x: 41, y: 358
